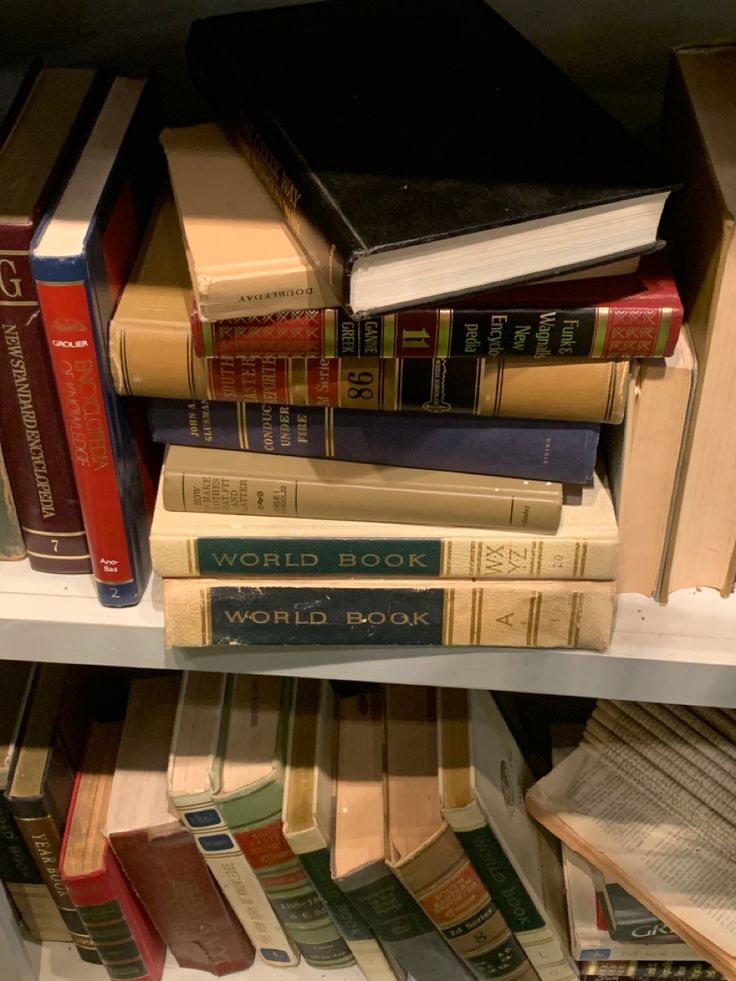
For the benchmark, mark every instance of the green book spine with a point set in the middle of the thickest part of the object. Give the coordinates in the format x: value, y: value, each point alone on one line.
x: 255, y: 822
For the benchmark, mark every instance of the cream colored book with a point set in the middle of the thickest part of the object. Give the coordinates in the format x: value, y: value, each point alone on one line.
x: 243, y: 260
x: 303, y: 610
x: 645, y: 456
x: 663, y: 833
x: 199, y: 479
x: 585, y: 546
x: 192, y: 778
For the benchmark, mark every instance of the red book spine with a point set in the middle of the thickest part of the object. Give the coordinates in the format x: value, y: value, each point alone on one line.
x: 170, y: 877
x: 70, y: 334
x: 129, y: 947
x: 31, y: 428
x: 635, y: 316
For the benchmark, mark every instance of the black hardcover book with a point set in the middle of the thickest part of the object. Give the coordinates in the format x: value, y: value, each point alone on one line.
x: 423, y: 149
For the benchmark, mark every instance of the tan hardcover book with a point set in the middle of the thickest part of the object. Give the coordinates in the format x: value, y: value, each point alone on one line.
x: 663, y: 833
x: 199, y: 479
x: 644, y: 458
x: 242, y: 258
x: 585, y: 546
x: 525, y: 613
x: 701, y: 110
x: 425, y: 854
x: 151, y: 354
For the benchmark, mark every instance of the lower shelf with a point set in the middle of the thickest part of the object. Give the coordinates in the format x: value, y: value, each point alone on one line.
x: 682, y: 652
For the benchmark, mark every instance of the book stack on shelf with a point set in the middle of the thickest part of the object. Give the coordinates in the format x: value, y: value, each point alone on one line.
x: 234, y: 820
x: 344, y: 463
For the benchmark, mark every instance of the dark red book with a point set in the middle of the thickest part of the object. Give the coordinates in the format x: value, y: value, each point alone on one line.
x: 638, y: 315
x: 122, y: 932
x: 33, y: 161
x: 157, y: 853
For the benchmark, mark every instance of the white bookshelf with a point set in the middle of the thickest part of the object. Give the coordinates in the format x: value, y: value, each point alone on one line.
x: 682, y: 652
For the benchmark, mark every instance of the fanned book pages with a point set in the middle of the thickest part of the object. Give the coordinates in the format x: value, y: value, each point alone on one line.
x: 424, y: 853
x: 192, y: 775
x: 648, y: 798
x: 467, y: 198
x: 585, y: 546
x: 12, y: 544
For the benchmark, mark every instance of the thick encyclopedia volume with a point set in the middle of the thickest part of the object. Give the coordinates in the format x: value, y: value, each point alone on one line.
x: 33, y: 162
x: 633, y: 316
x: 515, y: 613
x: 479, y: 172
x: 81, y: 257
x: 550, y: 450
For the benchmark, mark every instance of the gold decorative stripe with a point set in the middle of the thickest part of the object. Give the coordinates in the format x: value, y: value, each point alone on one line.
x: 576, y: 560
x: 538, y: 553
x: 56, y: 558
x: 192, y: 557
x: 583, y: 559
x: 446, y: 557
x: 208, y: 339
x: 537, y: 618
x: 664, y: 330
x: 479, y: 617
x: 600, y: 332
x: 123, y: 356
x: 530, y: 622
x: 448, y: 617
x: 49, y: 282
x: 14, y: 252
x: 241, y: 415
x: 388, y: 340
x: 499, y: 385
x: 329, y: 334
x: 206, y: 612
x: 190, y: 367
x: 18, y: 303
x: 53, y: 534
x: 573, y: 629
x: 443, y: 340
x: 612, y: 375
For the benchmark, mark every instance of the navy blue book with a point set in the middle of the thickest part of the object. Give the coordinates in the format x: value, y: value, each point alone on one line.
x: 81, y: 256
x: 530, y: 449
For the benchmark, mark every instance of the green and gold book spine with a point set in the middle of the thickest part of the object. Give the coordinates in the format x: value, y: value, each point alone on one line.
x: 200, y: 613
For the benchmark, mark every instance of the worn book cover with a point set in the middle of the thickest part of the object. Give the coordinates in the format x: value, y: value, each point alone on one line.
x: 309, y: 800
x: 210, y: 481
x: 482, y: 781
x: 411, y: 139
x: 303, y: 610
x: 192, y: 780
x: 80, y: 258
x: 250, y: 797
x: 156, y: 852
x: 424, y: 852
x: 585, y: 546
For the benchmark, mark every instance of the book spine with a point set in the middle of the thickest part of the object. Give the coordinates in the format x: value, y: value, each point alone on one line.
x: 522, y: 505
x: 238, y: 882
x: 553, y: 388
x: 402, y: 926
x: 171, y: 879
x: 510, y: 614
x: 21, y: 878
x: 583, y: 332
x: 642, y: 969
x: 43, y: 840
x: 508, y: 892
x: 31, y: 428
x: 255, y: 822
x: 12, y: 544
x: 128, y: 945
x: 355, y: 931
x: 297, y: 193
x: 449, y: 890
x: 449, y: 558
x: 515, y: 448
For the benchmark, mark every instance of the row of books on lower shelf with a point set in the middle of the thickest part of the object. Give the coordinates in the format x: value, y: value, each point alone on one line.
x: 234, y: 818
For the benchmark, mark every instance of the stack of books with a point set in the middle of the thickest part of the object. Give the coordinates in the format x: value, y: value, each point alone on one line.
x: 331, y: 457
x: 646, y: 799
x: 230, y: 819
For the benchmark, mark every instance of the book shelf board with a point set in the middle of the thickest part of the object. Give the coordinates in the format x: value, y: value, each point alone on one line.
x: 682, y: 652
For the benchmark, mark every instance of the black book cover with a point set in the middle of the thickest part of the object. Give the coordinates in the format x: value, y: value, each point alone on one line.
x: 377, y: 124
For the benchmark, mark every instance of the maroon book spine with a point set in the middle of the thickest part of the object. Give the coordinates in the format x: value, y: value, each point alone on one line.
x: 182, y: 899
x: 31, y: 428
